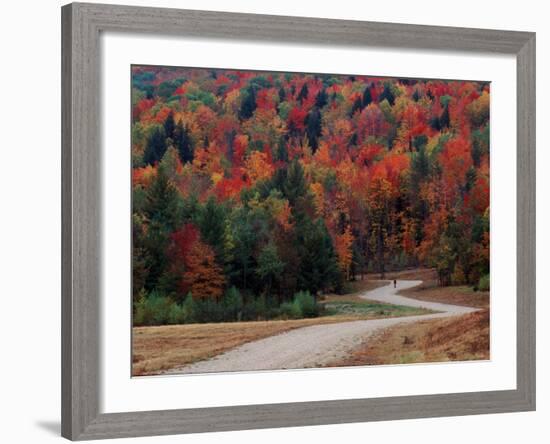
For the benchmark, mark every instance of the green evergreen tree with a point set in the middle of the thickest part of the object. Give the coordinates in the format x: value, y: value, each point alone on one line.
x: 321, y: 99
x: 318, y: 262
x: 444, y: 119
x: 163, y: 202
x: 242, y: 248
x: 295, y: 185
x: 169, y: 125
x: 304, y: 92
x: 210, y: 220
x: 387, y: 94
x: 420, y: 142
x: 248, y: 103
x: 435, y: 123
x: 282, y: 152
x: 156, y: 146
x: 367, y: 97
x: 357, y: 106
x: 313, y: 128
x: 270, y: 267
x: 282, y: 94
x: 183, y: 143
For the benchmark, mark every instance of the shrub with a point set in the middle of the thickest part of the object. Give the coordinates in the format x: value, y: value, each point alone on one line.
x: 232, y: 305
x: 273, y: 310
x: 208, y: 310
x: 255, y: 308
x: 189, y: 309
x: 308, y: 305
x: 484, y: 283
x: 176, y: 314
x: 140, y: 316
x: 458, y: 277
x: 290, y: 310
x: 260, y: 307
x: 153, y: 309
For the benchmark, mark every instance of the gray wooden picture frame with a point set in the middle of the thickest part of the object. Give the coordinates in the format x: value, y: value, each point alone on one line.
x: 81, y: 232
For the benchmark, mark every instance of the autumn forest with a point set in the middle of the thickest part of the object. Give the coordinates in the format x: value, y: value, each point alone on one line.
x: 255, y: 193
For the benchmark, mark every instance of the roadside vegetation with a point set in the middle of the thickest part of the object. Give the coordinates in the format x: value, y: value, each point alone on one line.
x: 164, y: 347
x: 461, y: 338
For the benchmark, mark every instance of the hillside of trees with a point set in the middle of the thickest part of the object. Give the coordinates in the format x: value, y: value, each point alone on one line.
x: 250, y: 187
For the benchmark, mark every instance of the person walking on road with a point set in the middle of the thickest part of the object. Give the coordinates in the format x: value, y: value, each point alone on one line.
x: 395, y: 283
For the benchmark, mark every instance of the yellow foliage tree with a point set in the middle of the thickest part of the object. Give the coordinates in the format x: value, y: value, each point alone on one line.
x: 344, y: 251
x: 258, y: 166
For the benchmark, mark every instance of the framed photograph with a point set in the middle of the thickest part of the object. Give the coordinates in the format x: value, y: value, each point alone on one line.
x: 281, y: 221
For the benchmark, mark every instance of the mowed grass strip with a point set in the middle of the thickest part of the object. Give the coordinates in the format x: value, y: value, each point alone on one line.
x: 354, y: 305
x: 461, y: 338
x: 156, y: 349
x: 361, y: 286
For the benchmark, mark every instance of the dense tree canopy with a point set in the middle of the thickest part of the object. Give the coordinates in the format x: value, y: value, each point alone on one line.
x: 274, y: 183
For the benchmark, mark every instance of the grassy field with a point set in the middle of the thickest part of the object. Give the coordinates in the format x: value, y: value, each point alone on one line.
x: 354, y: 305
x: 161, y: 348
x: 453, y: 339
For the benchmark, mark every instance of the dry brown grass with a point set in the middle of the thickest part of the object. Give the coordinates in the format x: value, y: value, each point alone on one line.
x: 429, y: 290
x: 456, y: 295
x: 453, y: 339
x: 161, y: 348
x: 156, y: 349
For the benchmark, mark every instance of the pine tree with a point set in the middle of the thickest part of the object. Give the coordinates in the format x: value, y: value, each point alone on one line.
x: 304, y: 92
x: 162, y: 212
x: 367, y: 97
x: 321, y: 99
x: 282, y: 152
x: 270, y: 267
x: 211, y: 219
x: 295, y: 185
x: 248, y: 104
x: 282, y: 94
x: 163, y: 202
x: 318, y: 263
x: 357, y: 106
x: 444, y: 119
x: 313, y: 128
x: 156, y: 146
x: 387, y: 94
x: 183, y: 143
x: 169, y: 125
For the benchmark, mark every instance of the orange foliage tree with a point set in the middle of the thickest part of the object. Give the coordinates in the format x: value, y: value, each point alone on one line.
x: 203, y: 276
x: 343, y: 246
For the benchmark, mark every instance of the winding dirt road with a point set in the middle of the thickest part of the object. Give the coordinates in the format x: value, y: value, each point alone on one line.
x: 316, y: 345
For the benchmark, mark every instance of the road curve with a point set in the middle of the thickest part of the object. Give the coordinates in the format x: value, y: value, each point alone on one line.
x: 316, y: 345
